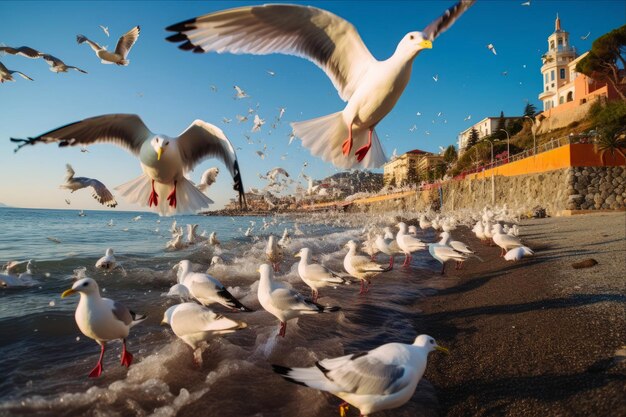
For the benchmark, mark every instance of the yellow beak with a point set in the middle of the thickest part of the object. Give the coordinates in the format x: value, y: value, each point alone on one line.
x: 258, y: 271
x: 159, y: 153
x: 426, y: 44
x: 68, y: 292
x: 442, y: 349
x: 297, y: 255
x: 163, y: 323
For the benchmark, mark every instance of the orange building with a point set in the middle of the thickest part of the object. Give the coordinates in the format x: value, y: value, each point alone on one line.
x: 563, y: 88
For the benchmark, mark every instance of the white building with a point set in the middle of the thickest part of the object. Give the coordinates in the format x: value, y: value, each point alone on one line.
x: 485, y: 127
x: 556, y: 69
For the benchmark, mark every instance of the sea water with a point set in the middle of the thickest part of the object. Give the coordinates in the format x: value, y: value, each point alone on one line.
x: 44, y: 359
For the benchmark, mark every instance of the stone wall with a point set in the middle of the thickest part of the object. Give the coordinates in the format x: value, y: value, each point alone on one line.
x: 595, y: 188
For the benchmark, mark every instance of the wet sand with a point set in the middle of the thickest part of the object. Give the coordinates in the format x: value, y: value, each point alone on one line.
x: 535, y: 337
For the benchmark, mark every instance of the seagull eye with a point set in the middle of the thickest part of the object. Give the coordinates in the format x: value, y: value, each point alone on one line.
x: 166, y: 143
x: 411, y: 37
x: 432, y: 342
x: 85, y: 284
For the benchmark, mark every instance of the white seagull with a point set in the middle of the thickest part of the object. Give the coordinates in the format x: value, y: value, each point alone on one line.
x: 407, y: 243
x: 518, y: 253
x: 240, y: 93
x: 208, y: 178
x: 381, y: 379
x: 213, y: 241
x: 124, y: 44
x: 492, y: 48
x: 105, y: 29
x: 315, y: 275
x: 274, y: 253
x: 100, y: 191
x: 164, y: 160
x: 505, y: 241
x: 107, y: 262
x: 102, y: 319
x: 370, y: 87
x: 207, y: 289
x: 284, y: 303
x: 7, y: 74
x: 361, y: 267
x: 194, y: 324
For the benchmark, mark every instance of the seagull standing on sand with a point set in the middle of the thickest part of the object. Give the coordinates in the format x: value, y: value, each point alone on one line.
x: 460, y: 247
x: 315, y: 275
x: 284, y: 303
x: 100, y: 191
x: 207, y: 289
x: 102, y: 319
x: 124, y: 44
x: 503, y: 240
x: 361, y: 267
x: 7, y: 74
x: 164, y: 160
x: 370, y: 87
x: 381, y: 379
x: 194, y: 324
x: 408, y: 244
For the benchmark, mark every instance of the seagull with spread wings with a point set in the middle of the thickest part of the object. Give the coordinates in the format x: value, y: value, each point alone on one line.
x: 56, y: 65
x: 100, y: 191
x: 24, y: 51
x: 7, y: 74
x: 164, y: 159
x: 370, y: 87
x: 124, y: 44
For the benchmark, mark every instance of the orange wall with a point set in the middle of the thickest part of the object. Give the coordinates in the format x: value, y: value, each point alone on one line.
x: 575, y: 155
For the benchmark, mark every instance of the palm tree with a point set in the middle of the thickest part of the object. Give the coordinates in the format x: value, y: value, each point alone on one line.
x: 612, y: 144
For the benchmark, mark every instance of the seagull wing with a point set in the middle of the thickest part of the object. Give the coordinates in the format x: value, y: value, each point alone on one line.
x: 192, y: 318
x: 127, y: 41
x: 440, y: 25
x: 320, y: 273
x: 24, y: 51
x: 69, y: 173
x: 365, y: 374
x: 125, y: 130
x: 318, y: 35
x: 52, y: 60
x: 121, y: 313
x: 21, y: 74
x: 102, y: 193
x: 286, y: 299
x: 364, y: 264
x: 203, y: 140
x: 93, y: 45
x: 448, y: 252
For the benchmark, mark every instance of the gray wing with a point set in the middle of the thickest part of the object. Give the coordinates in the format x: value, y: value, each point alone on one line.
x: 440, y: 25
x: 366, y: 375
x: 329, y: 41
x: 93, y: 45
x: 24, y: 51
x: 125, y: 130
x: 203, y: 140
x: 286, y: 299
x: 69, y: 173
x: 122, y: 313
x: 21, y: 75
x: 127, y: 41
x: 52, y: 60
x: 101, y: 193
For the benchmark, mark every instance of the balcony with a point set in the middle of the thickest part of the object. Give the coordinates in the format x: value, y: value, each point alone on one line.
x: 546, y: 94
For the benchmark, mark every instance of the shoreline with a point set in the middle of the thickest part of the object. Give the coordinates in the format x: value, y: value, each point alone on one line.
x: 535, y: 337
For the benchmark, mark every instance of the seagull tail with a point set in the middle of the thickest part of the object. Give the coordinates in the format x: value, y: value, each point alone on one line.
x: 309, y: 377
x: 137, y: 318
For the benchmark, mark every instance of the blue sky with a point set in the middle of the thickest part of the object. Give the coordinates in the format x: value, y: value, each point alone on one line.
x: 170, y: 88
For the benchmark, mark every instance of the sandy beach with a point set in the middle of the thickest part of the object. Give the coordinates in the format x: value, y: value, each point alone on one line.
x: 536, y: 337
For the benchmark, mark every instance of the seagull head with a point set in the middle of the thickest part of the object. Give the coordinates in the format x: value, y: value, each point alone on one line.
x: 350, y: 245
x: 427, y: 342
x: 167, y: 316
x: 265, y: 271
x: 159, y: 145
x: 304, y: 253
x: 413, y: 42
x: 85, y: 286
x: 109, y: 252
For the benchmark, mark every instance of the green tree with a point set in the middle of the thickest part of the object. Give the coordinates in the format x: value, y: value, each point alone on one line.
x: 530, y: 110
x: 602, y: 62
x: 499, y: 134
x: 450, y: 155
x: 611, y: 127
x: 473, y: 138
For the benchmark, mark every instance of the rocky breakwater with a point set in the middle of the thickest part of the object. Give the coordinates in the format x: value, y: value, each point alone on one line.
x: 597, y: 188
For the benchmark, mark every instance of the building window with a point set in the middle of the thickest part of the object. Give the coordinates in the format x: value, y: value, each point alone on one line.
x: 570, y: 96
x: 546, y: 78
x: 562, y: 73
x: 551, y: 44
x: 552, y: 75
x: 561, y: 100
x: 560, y: 41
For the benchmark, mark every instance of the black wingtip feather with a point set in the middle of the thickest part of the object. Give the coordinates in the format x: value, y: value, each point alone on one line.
x: 198, y: 50
x: 178, y: 37
x: 187, y: 46
x: 182, y: 26
x: 284, y: 371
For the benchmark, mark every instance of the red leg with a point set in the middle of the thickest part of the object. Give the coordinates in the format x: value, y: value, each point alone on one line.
x: 172, y: 197
x: 315, y: 295
x: 154, y: 197
x: 367, y: 287
x: 346, y: 147
x: 283, y: 329
x: 362, y: 151
x: 97, y: 371
x: 127, y: 357
x: 391, y: 262
x: 362, y: 291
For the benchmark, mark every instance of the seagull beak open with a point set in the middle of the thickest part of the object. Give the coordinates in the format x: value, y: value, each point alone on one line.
x: 68, y: 292
x: 159, y: 153
x: 426, y: 44
x: 442, y: 349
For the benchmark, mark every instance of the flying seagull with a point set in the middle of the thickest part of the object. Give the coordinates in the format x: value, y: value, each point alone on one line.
x: 124, y: 44
x: 105, y: 29
x: 7, y: 74
x: 492, y: 48
x: 56, y: 65
x: 584, y: 38
x: 24, y: 51
x: 100, y: 191
x: 164, y: 159
x: 208, y: 178
x: 526, y: 3
x: 334, y: 45
x: 240, y: 93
